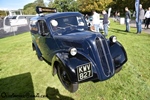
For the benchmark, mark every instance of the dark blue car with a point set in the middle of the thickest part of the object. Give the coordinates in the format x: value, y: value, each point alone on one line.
x: 75, y: 54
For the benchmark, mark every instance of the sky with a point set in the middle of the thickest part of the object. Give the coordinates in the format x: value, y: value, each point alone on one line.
x: 15, y: 4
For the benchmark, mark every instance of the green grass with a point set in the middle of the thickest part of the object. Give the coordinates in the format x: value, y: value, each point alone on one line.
x: 22, y: 73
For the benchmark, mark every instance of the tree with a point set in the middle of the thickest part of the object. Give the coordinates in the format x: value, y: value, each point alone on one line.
x: 90, y: 5
x: 51, y: 2
x: 39, y: 3
x: 145, y: 3
x: 64, y: 5
x: 29, y: 11
x: 103, y: 4
x: 119, y: 5
x: 73, y: 6
x: 55, y: 4
x: 30, y: 7
x: 2, y: 13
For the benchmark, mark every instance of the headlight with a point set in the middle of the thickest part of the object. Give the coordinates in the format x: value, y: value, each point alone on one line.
x: 73, y: 51
x: 113, y: 39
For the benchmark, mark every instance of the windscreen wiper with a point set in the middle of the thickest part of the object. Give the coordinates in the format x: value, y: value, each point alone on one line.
x: 71, y: 25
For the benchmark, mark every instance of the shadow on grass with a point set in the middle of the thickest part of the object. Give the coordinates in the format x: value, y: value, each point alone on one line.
x: 53, y: 94
x: 19, y: 87
x: 119, y: 31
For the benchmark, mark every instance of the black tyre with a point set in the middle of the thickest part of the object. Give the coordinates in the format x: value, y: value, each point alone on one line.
x: 118, y: 69
x: 64, y: 79
x: 39, y: 57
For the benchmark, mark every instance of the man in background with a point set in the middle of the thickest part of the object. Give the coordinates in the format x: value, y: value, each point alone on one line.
x: 105, y: 22
x: 147, y: 17
x: 127, y: 19
x: 96, y: 21
x: 141, y: 18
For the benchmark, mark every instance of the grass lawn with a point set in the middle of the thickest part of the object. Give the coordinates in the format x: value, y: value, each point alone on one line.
x: 22, y: 74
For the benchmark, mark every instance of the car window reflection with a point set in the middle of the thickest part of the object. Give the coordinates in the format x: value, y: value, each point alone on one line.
x: 65, y: 24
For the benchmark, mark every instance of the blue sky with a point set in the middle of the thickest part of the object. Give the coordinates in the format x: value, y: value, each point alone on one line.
x: 14, y: 4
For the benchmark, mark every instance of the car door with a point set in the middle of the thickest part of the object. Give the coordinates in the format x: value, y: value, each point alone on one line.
x: 45, y: 40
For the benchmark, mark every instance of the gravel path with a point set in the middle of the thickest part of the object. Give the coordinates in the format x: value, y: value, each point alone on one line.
x: 133, y: 24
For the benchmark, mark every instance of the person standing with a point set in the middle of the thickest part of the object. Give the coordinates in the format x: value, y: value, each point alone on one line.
x: 116, y: 16
x: 141, y: 18
x: 145, y: 20
x: 127, y: 19
x: 96, y: 21
x: 105, y: 22
x: 147, y: 17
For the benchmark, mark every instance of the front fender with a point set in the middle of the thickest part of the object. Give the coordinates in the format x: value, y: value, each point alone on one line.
x: 118, y: 54
x: 70, y: 64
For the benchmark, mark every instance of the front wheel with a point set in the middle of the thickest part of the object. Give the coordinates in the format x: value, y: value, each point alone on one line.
x: 64, y: 79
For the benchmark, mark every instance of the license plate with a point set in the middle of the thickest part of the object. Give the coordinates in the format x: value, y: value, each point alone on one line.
x: 84, y: 71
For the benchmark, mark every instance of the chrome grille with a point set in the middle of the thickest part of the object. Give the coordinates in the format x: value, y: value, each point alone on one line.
x: 102, y: 55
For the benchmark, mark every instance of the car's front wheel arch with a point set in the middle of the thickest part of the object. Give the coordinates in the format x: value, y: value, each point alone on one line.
x: 65, y: 79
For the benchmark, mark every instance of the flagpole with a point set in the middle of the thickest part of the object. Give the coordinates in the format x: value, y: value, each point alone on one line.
x: 137, y: 2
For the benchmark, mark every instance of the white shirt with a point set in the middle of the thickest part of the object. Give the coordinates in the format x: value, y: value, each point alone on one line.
x: 147, y: 15
x: 96, y: 18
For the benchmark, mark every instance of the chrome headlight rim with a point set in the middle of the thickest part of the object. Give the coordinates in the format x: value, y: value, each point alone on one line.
x: 113, y: 39
x: 73, y: 51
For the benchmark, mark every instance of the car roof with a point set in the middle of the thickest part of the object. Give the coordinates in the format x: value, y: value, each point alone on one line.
x: 59, y: 14
x: 55, y: 15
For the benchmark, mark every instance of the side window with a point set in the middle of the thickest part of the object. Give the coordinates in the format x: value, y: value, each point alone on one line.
x: 80, y: 21
x: 43, y: 30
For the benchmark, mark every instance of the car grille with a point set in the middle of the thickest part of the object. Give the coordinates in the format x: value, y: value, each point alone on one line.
x: 102, y: 51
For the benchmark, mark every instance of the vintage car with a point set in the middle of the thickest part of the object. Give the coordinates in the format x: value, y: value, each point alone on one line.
x: 76, y: 55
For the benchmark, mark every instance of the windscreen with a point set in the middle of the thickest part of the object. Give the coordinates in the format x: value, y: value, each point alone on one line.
x: 64, y: 24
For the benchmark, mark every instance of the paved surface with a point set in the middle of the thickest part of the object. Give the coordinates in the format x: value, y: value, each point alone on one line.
x: 133, y: 24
